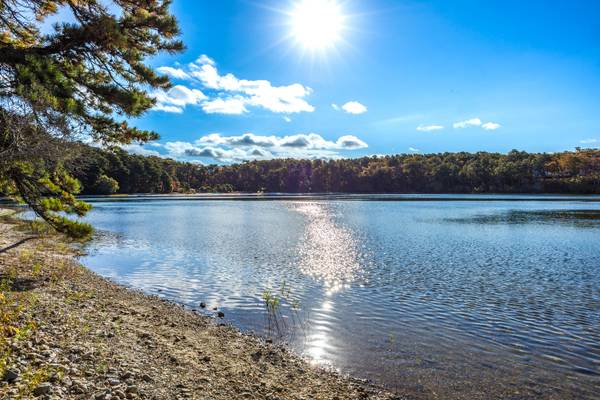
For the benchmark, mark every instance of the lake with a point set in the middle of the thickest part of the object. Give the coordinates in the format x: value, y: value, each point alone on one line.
x: 444, y: 296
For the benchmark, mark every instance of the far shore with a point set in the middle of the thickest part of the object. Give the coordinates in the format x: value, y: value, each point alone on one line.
x: 71, y: 334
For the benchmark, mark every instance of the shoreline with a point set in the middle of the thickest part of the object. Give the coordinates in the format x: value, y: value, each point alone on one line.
x: 72, y: 334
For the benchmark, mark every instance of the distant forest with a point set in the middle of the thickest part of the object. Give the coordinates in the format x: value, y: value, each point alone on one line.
x: 107, y: 172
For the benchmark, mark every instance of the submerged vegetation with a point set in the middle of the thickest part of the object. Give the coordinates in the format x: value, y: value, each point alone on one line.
x: 280, y: 323
x: 105, y: 172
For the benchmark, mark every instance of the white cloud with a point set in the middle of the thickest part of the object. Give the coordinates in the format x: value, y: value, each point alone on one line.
x: 255, y: 147
x: 354, y: 107
x: 429, y: 128
x: 287, y: 119
x: 176, y: 73
x: 351, y: 142
x: 414, y: 150
x: 589, y: 141
x: 204, y: 59
x: 218, y: 153
x: 335, y: 107
x: 231, y: 105
x: 177, y: 148
x: 169, y: 109
x: 138, y: 149
x: 491, y: 126
x: 283, y: 99
x: 467, y: 123
x: 176, y: 98
x: 310, y: 141
x: 231, y: 95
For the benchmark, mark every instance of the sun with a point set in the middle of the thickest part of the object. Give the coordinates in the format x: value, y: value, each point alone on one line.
x: 316, y: 24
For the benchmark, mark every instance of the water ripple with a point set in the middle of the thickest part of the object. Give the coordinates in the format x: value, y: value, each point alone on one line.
x: 477, y: 299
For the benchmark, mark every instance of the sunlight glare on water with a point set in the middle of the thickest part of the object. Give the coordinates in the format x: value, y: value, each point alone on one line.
x: 328, y: 251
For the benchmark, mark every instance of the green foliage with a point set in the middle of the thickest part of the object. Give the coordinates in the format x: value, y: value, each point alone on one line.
x: 515, y: 172
x: 82, y: 79
x: 106, y: 185
x: 51, y: 195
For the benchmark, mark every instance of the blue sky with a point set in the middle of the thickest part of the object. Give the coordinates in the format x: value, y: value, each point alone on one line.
x: 401, y: 76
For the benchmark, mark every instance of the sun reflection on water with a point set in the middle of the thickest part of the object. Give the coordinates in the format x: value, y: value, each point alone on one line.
x: 328, y: 251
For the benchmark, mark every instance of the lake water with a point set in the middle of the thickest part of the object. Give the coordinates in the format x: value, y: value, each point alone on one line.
x: 433, y: 296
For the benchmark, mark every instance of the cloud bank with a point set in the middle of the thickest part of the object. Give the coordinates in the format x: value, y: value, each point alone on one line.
x: 249, y: 146
x: 227, y: 94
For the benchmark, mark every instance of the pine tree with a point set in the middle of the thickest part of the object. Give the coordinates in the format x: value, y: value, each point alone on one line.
x: 82, y: 80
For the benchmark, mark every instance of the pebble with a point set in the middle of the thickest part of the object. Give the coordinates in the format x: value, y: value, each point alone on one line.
x: 113, y: 382
x: 42, y: 388
x: 131, y: 389
x: 11, y: 375
x: 127, y: 375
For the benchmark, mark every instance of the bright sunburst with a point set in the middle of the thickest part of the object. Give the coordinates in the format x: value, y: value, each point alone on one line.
x: 317, y: 24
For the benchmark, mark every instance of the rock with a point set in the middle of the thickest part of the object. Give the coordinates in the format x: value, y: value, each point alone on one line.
x: 131, y: 389
x: 100, y: 396
x: 220, y: 314
x: 11, y: 375
x: 113, y: 381
x: 256, y: 356
x: 42, y: 388
x: 146, y: 378
x: 78, y: 388
x: 202, y: 305
x: 127, y: 375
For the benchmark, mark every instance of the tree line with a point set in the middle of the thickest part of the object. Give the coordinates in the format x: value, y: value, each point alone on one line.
x: 116, y: 171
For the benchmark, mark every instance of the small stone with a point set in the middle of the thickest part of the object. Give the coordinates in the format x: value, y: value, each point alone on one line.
x: 202, y: 305
x: 42, y: 388
x: 220, y: 314
x: 11, y: 375
x: 131, y: 389
x: 146, y: 378
x: 78, y: 388
x: 100, y: 396
x: 113, y: 382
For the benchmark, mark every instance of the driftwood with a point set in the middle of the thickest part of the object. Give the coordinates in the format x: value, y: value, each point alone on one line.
x: 20, y: 242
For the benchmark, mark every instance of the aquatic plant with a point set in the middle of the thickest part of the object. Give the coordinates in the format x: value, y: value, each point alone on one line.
x: 278, y: 322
